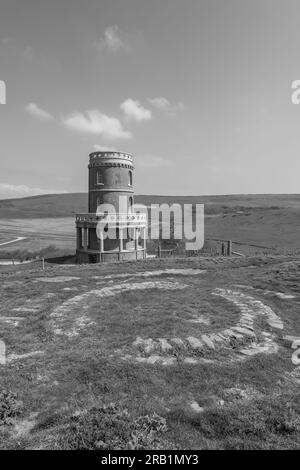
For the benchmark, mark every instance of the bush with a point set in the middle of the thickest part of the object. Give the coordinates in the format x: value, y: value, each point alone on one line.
x: 10, y: 407
x: 109, y: 427
x: 23, y: 254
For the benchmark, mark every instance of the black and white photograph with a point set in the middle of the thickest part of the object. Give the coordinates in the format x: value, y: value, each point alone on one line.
x: 149, y: 229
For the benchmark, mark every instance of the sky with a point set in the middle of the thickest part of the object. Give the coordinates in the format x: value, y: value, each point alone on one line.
x: 198, y: 91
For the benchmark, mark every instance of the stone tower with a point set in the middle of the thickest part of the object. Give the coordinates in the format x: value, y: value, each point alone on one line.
x: 111, y: 184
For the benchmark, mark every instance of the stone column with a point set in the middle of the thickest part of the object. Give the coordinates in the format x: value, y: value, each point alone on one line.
x: 79, y: 238
x: 144, y: 238
x: 121, y: 239
x: 101, y: 248
x: 136, y: 238
x: 85, y: 236
x: 101, y: 243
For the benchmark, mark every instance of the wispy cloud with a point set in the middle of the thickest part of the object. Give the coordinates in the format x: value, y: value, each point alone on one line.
x: 28, y: 53
x: 153, y: 161
x: 133, y: 110
x: 13, y: 191
x: 95, y: 122
x: 104, y: 148
x: 112, y: 40
x: 2, y: 92
x: 38, y: 112
x: 7, y: 40
x: 163, y: 104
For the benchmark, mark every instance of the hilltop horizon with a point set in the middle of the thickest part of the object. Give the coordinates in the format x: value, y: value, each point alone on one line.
x: 69, y: 204
x: 68, y: 193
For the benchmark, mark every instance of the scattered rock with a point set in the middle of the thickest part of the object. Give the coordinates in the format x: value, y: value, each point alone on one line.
x: 165, y: 346
x: 195, y: 407
x: 207, y: 341
x: 14, y: 321
x: 24, y: 309
x: 178, y: 341
x: 146, y: 345
x: 2, y: 353
x: 195, y: 343
x: 283, y: 296
x: 13, y: 357
x: 57, y: 279
x: 22, y: 428
x: 190, y: 360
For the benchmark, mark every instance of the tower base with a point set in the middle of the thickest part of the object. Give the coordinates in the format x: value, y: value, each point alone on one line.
x: 90, y: 256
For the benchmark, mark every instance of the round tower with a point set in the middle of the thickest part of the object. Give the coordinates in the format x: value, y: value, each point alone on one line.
x: 110, y: 183
x: 110, y: 176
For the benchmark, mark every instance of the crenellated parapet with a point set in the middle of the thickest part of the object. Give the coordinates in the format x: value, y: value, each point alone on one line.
x: 111, y: 159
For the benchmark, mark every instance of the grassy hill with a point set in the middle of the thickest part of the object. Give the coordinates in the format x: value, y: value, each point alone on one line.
x: 49, y: 205
x: 270, y: 221
x: 66, y: 205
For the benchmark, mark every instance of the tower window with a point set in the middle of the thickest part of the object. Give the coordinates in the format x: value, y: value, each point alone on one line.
x: 99, y: 177
x: 130, y: 204
x: 129, y: 178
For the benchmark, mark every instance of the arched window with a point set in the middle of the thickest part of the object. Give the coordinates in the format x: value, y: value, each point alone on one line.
x: 129, y: 178
x: 99, y: 177
x: 130, y: 203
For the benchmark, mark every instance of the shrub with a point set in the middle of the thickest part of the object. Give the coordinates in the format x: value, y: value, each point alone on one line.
x: 109, y: 427
x: 10, y: 407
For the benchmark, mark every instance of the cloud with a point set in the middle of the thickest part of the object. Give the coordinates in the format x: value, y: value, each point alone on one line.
x: 12, y: 191
x: 133, y: 110
x: 2, y: 92
x: 104, y: 148
x: 7, y: 40
x: 163, y: 104
x: 153, y: 161
x: 112, y: 41
x: 160, y: 102
x: 95, y: 122
x: 28, y: 53
x: 38, y: 113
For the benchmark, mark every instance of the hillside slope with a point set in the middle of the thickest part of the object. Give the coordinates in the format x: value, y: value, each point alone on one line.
x: 65, y: 205
x: 271, y: 221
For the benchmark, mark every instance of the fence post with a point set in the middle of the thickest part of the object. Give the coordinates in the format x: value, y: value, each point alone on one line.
x: 229, y: 248
x: 223, y: 252
x: 43, y: 264
x: 159, y: 250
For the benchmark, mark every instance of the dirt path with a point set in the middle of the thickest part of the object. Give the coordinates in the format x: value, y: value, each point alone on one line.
x: 13, y: 241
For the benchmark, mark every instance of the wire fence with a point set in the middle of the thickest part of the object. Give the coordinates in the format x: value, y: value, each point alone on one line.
x: 217, y: 247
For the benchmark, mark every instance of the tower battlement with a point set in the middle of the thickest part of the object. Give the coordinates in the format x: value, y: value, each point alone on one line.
x: 115, y: 159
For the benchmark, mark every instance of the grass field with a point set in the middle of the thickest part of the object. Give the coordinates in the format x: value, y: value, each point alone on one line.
x: 67, y: 205
x: 181, y: 354
x: 38, y: 234
x: 270, y: 221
